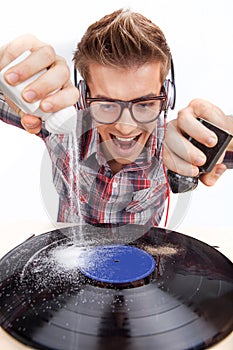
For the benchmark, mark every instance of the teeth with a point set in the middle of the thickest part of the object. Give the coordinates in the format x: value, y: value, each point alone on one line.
x: 125, y: 139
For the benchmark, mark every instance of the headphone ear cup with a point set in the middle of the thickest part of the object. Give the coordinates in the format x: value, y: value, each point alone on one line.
x: 170, y: 91
x: 82, y: 88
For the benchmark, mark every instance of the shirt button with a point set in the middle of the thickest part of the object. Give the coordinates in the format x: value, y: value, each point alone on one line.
x: 114, y: 185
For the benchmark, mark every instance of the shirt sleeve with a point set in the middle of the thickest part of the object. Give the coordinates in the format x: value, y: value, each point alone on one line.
x: 228, y: 159
x: 9, y: 116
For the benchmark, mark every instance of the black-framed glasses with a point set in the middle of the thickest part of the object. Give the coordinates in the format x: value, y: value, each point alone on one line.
x: 142, y: 110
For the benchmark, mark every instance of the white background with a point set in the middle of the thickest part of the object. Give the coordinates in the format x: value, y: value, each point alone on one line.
x: 199, y: 33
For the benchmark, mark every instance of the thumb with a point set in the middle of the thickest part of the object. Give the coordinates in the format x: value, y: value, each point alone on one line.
x: 209, y: 179
x: 31, y: 123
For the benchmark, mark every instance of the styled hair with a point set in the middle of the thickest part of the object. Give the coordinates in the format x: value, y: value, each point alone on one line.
x: 122, y: 39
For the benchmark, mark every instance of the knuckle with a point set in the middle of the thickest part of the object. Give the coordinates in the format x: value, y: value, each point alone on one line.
x: 15, y: 46
x: 62, y: 68
x: 28, y: 38
x: 49, y: 53
x: 181, y: 116
x: 65, y: 71
x: 195, y: 101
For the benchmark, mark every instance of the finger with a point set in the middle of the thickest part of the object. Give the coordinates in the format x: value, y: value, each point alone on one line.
x: 208, y: 111
x: 16, y: 47
x: 179, y: 165
x: 29, y: 66
x: 209, y: 179
x: 31, y: 123
x: 179, y: 145
x: 51, y: 80
x: 67, y: 96
x: 188, y: 123
x: 205, y: 110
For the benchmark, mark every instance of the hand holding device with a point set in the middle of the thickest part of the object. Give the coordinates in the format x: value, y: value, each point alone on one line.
x: 180, y: 183
x: 61, y: 122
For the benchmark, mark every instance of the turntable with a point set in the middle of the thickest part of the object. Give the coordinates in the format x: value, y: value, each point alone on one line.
x: 91, y: 288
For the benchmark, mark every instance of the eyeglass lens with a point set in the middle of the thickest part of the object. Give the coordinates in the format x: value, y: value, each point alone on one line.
x: 109, y: 112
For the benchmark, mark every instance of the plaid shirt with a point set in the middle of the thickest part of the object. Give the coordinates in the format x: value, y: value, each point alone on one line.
x: 136, y: 194
x: 228, y: 160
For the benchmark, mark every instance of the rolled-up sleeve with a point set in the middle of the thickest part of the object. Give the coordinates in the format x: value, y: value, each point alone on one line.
x: 9, y: 116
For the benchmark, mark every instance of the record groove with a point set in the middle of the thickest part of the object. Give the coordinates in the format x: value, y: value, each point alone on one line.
x: 48, y: 303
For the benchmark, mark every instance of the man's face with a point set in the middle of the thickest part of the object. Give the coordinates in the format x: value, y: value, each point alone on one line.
x: 124, y: 140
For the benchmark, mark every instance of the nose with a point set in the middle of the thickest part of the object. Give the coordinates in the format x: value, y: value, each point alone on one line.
x: 126, y: 124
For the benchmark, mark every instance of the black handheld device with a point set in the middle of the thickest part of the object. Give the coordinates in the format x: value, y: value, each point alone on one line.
x: 180, y: 183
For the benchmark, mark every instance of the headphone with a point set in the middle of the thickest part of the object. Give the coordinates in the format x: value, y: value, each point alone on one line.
x: 168, y: 86
x: 170, y: 89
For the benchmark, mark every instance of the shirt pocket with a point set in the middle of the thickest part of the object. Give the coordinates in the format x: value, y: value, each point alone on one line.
x: 149, y: 198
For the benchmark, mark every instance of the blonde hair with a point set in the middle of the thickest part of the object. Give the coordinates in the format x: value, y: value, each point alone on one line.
x: 122, y: 39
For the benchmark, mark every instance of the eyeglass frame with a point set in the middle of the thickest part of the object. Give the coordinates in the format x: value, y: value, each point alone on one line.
x: 129, y: 104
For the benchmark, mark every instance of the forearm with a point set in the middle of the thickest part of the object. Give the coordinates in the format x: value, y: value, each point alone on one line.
x: 7, y: 115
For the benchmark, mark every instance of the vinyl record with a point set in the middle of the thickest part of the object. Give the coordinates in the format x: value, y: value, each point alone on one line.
x: 85, y: 288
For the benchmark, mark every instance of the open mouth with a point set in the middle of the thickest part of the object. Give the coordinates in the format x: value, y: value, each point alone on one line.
x: 124, y: 142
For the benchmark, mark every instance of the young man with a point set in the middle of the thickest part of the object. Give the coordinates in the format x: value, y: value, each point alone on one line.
x: 124, y: 60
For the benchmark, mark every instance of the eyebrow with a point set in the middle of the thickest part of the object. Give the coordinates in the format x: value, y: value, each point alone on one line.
x: 148, y: 96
